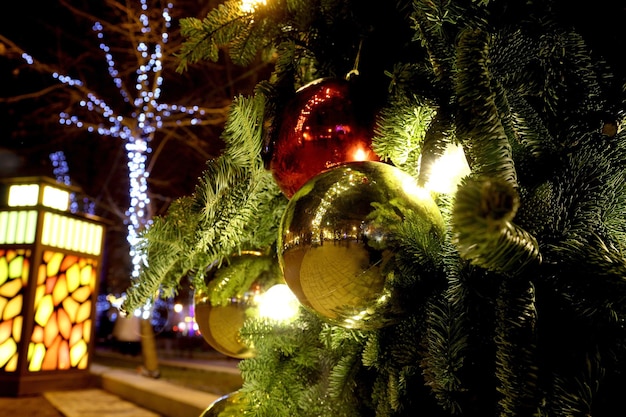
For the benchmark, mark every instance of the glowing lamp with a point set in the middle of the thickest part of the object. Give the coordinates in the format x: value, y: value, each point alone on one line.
x: 49, y: 271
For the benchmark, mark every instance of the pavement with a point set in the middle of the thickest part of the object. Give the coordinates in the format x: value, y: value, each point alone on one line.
x: 124, y: 392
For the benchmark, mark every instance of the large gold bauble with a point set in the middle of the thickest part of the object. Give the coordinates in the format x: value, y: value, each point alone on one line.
x: 335, y: 241
x: 220, y: 318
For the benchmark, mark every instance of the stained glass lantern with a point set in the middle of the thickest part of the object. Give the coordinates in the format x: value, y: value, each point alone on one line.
x: 49, y: 272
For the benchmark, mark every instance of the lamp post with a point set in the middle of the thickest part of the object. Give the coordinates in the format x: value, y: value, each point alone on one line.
x: 50, y: 260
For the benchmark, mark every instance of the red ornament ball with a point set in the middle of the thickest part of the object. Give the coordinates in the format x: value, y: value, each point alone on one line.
x: 327, y: 123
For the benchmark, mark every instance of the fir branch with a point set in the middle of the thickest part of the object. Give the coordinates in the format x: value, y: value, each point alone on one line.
x: 445, y: 342
x: 484, y: 233
x: 574, y: 395
x: 165, y: 244
x: 400, y: 132
x: 205, y: 37
x: 229, y: 206
x: 478, y: 120
x: 290, y: 370
x: 235, y: 277
x: 234, y: 192
x: 516, y: 356
x: 429, y: 18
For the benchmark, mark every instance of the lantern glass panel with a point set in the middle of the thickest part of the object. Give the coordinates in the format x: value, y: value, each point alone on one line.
x: 56, y: 198
x: 23, y: 195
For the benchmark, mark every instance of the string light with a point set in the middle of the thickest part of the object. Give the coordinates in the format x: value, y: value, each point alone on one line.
x: 136, y: 129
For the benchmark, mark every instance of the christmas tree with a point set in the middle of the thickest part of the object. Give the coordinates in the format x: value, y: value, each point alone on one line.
x: 500, y: 295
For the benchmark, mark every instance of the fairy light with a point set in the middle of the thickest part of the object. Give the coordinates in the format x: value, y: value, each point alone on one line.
x: 248, y: 6
x: 448, y: 170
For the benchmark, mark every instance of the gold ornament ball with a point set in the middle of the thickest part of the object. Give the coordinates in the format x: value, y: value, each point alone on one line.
x: 336, y: 240
x: 221, y: 313
x: 225, y: 406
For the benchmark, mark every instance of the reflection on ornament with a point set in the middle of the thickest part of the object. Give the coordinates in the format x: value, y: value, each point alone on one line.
x: 335, y: 246
x: 323, y: 126
x: 225, y: 406
x: 221, y: 312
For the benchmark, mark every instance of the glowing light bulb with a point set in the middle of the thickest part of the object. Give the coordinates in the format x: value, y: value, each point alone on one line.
x: 248, y: 6
x: 279, y: 303
x: 447, y: 171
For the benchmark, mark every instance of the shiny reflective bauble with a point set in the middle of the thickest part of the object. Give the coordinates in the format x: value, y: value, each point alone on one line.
x: 225, y: 406
x: 220, y: 325
x: 323, y: 126
x: 335, y: 243
x: 220, y: 322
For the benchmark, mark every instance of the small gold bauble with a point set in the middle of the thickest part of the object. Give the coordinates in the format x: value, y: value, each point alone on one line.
x: 220, y: 313
x: 335, y: 241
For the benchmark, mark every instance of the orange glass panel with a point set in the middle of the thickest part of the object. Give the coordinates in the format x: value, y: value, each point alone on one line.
x: 50, y: 283
x: 36, y: 352
x: 77, y: 334
x: 11, y: 288
x: 26, y: 269
x: 44, y: 310
x: 54, y: 264
x: 3, y: 304
x: 37, y: 336
x: 47, y: 255
x: 51, y: 331
x: 64, y: 355
x: 68, y: 261
x: 41, y: 274
x: 12, y: 364
x: 15, y: 267
x: 87, y: 275
x: 73, y: 277
x: 77, y: 352
x: 87, y: 330
x: 7, y: 350
x: 84, y: 312
x: 71, y: 308
x: 17, y: 328
x: 65, y: 324
x: 51, y: 357
x: 82, y: 294
x: 4, y: 270
x: 39, y: 293
x: 13, y: 308
x: 5, y: 330
x: 60, y: 290
x: 83, y: 362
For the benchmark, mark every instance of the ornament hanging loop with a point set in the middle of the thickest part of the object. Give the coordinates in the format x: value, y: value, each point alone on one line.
x: 355, y: 69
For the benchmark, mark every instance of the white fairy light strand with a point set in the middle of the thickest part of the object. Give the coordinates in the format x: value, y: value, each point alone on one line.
x: 136, y: 130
